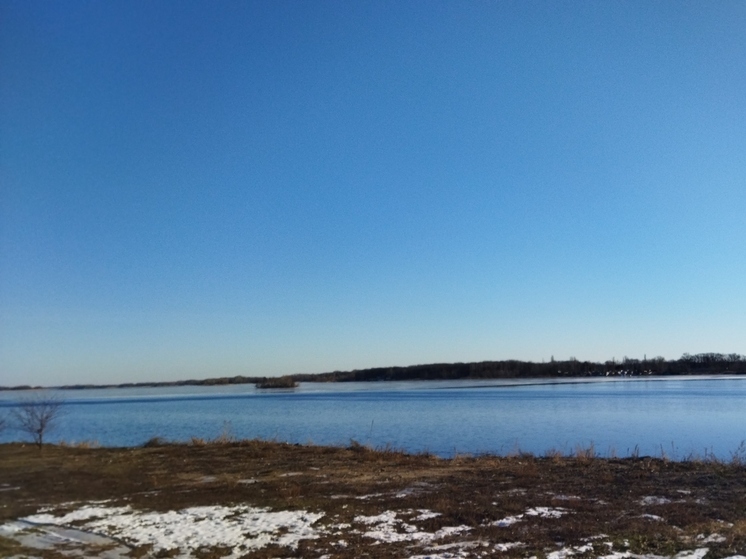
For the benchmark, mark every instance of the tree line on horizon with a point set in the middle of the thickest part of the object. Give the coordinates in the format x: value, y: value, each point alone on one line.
x: 698, y: 364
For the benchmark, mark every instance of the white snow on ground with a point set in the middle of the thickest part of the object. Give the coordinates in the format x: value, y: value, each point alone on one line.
x: 508, y: 546
x: 242, y: 528
x: 541, y: 512
x: 712, y: 538
x: 426, y: 514
x: 653, y: 500
x: 691, y: 554
x: 545, y: 512
x: 445, y: 555
x: 75, y: 542
x: 568, y: 551
x: 455, y: 550
x: 386, y: 528
x: 507, y: 521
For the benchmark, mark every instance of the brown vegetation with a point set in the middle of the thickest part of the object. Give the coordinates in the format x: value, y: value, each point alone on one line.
x: 644, y: 505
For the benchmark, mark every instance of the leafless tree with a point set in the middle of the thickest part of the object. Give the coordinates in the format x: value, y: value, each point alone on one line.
x: 38, y: 416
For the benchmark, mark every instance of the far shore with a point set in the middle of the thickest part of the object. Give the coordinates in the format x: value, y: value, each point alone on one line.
x: 699, y: 364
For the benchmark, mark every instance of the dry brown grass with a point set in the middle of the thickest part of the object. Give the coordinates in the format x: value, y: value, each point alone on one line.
x: 600, y: 495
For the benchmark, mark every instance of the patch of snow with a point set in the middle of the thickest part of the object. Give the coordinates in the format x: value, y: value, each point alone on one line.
x: 241, y: 527
x: 11, y: 528
x: 426, y: 514
x: 445, y: 555
x: 653, y: 500
x: 541, y: 512
x: 560, y: 554
x: 455, y: 545
x: 690, y: 554
x: 371, y: 496
x: 507, y: 521
x: 546, y: 512
x: 389, y: 529
x: 693, y: 554
x: 508, y: 546
x: 712, y: 538
x: 568, y: 551
x: 385, y: 517
x: 414, y: 489
x: 450, y: 531
x: 75, y: 542
x: 652, y: 517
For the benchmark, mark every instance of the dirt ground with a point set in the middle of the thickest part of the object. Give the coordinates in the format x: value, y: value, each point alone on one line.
x: 385, y: 503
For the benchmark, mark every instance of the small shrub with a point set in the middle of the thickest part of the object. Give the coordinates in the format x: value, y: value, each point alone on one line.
x: 226, y: 435
x: 155, y: 442
x: 738, y: 456
x: 38, y: 416
x: 586, y: 454
x: 357, y: 447
x: 553, y: 454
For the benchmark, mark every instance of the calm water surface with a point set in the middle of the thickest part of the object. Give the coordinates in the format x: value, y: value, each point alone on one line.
x: 677, y: 416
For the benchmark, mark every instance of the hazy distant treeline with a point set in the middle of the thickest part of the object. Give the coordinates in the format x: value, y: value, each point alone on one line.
x: 699, y: 364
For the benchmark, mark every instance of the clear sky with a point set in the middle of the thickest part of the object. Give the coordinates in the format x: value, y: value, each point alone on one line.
x: 199, y: 189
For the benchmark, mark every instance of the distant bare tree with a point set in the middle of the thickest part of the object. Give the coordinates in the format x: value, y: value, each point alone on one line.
x: 38, y: 416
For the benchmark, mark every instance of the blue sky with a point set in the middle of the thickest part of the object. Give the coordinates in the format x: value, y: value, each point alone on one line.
x: 199, y: 189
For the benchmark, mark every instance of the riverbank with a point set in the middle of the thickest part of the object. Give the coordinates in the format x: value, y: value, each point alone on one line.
x: 223, y: 498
